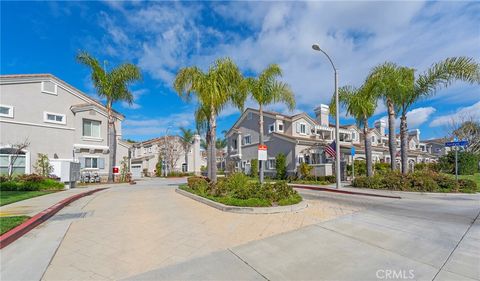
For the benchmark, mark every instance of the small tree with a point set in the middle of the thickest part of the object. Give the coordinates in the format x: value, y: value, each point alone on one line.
x: 281, y: 166
x: 17, y: 151
x: 124, y: 169
x: 158, y: 167
x: 42, y: 166
x: 305, y: 170
x: 467, y: 163
x: 254, y: 168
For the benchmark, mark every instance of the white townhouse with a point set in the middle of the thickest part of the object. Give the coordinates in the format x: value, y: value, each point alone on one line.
x: 57, y: 120
x: 302, y: 138
x: 145, y: 156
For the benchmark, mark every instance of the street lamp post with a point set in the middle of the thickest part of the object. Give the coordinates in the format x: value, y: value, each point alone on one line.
x: 316, y: 47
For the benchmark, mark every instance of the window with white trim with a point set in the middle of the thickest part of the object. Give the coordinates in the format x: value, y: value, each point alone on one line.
x: 91, y: 128
x: 7, y: 156
x: 249, y: 116
x: 6, y: 111
x: 271, y: 128
x: 303, y: 129
x: 51, y: 117
x: 247, y: 139
x: 271, y: 164
x: 280, y: 127
x: 49, y: 87
x: 91, y: 163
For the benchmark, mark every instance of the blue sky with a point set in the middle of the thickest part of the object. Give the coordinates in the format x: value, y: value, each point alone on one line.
x: 161, y: 37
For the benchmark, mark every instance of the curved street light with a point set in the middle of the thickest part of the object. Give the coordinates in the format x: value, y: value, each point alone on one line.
x: 316, y: 47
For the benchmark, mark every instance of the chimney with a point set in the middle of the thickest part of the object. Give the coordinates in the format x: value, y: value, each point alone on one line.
x: 322, y: 113
x: 381, y: 124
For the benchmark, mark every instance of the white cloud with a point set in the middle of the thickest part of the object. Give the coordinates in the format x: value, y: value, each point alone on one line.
x: 173, y: 35
x: 157, y: 126
x: 415, y: 117
x: 467, y: 112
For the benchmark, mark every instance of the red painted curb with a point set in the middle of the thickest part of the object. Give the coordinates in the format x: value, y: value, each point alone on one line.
x: 17, y: 232
x: 344, y: 191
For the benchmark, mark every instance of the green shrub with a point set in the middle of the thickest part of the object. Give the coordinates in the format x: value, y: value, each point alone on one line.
x: 468, y: 186
x: 421, y: 181
x: 31, y: 182
x: 281, y: 166
x: 381, y: 168
x: 294, y: 199
x: 467, y: 163
x: 197, y: 183
x: 238, y: 186
x: 305, y: 170
x: 254, y: 168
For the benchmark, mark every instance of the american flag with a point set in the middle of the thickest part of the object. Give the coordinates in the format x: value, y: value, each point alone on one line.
x: 330, y: 149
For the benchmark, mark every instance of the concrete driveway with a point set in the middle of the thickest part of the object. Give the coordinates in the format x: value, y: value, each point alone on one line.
x: 149, y: 232
x: 424, y: 237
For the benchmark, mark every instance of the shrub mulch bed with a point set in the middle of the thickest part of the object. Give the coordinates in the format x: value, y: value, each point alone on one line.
x: 239, y: 190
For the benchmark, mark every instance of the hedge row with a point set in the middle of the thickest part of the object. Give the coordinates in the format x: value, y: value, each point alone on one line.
x: 422, y: 181
x: 31, y: 182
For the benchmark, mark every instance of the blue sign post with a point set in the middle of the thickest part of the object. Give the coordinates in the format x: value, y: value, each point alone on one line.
x: 456, y: 144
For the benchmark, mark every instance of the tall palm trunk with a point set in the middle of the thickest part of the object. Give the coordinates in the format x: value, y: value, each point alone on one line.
x: 111, y: 142
x: 213, y: 150
x: 261, y: 142
x: 392, y: 140
x: 368, y: 148
x: 404, y: 142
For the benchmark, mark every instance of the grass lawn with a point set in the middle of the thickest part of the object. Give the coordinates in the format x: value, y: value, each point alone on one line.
x: 7, y: 223
x: 8, y: 197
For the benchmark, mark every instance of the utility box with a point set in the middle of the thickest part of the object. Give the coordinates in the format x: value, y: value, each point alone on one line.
x: 67, y: 171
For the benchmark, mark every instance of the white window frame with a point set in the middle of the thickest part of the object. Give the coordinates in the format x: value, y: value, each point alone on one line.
x: 269, y: 164
x: 10, y: 111
x: 283, y: 127
x: 304, y: 129
x: 249, y: 116
x: 45, y: 118
x: 271, y: 128
x: 99, y: 131
x: 91, y: 157
x: 48, y: 92
x: 249, y: 139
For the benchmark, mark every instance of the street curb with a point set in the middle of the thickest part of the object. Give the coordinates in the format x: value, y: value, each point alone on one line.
x: 13, y: 234
x: 244, y: 210
x: 343, y: 191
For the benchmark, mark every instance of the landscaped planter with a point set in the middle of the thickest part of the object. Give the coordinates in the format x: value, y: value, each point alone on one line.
x: 244, y: 210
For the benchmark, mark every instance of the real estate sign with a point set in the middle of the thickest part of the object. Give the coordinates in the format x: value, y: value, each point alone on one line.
x: 262, y: 152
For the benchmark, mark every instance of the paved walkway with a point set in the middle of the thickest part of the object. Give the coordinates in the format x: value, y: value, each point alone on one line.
x: 149, y: 232
x: 426, y: 238
x: 132, y: 230
x: 33, y: 206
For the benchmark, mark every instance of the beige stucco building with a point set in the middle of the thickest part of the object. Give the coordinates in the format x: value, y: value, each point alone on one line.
x: 57, y: 120
x: 302, y: 138
x: 145, y: 156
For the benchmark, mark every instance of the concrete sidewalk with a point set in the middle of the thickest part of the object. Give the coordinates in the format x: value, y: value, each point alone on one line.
x: 424, y: 238
x: 33, y: 206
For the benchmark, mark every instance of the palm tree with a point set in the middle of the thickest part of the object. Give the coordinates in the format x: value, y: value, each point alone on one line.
x: 360, y: 103
x: 214, y: 89
x: 388, y: 85
x: 187, y: 138
x: 439, y: 75
x: 113, y: 86
x: 265, y: 90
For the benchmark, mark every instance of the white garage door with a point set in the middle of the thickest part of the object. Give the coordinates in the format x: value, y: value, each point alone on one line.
x: 136, y: 171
